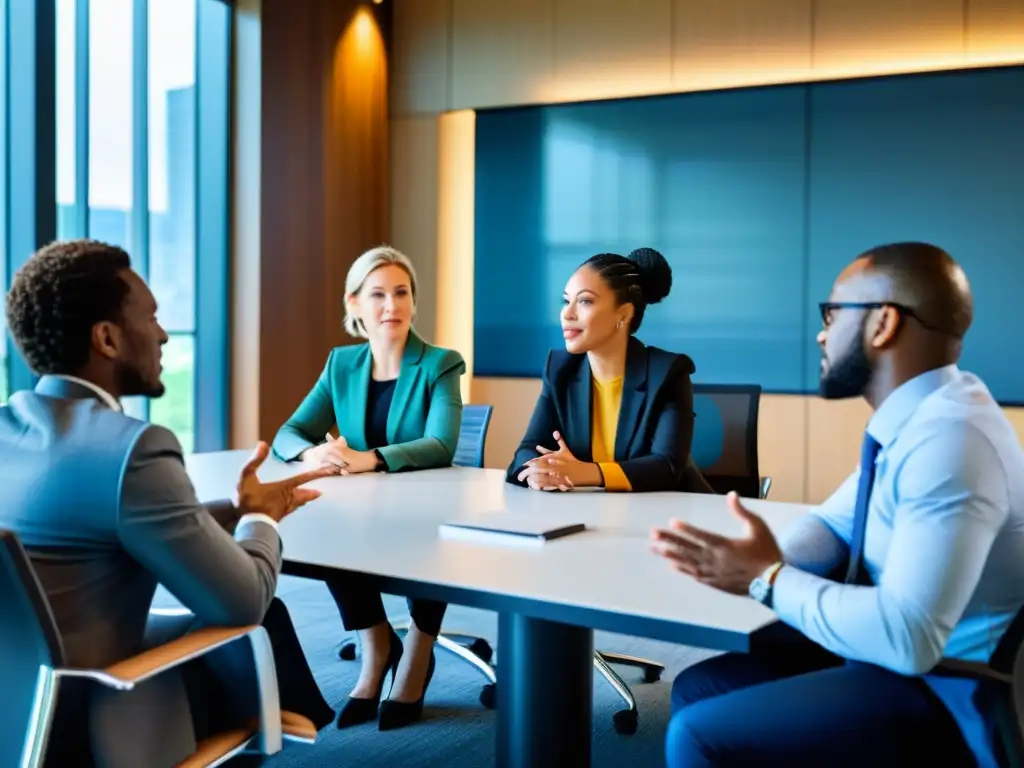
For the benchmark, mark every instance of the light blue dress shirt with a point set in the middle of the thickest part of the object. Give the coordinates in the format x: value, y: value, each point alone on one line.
x: 944, y: 543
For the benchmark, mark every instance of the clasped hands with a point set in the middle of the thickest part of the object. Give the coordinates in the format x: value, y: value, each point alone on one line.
x: 559, y: 470
x: 718, y: 561
x: 337, y: 453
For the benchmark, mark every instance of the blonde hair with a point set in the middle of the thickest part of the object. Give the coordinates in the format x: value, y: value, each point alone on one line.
x: 362, y: 268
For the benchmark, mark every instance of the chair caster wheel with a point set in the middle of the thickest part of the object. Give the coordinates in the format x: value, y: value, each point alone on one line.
x: 652, y: 674
x: 347, y: 652
x: 482, y: 649
x: 625, y: 722
x: 489, y: 696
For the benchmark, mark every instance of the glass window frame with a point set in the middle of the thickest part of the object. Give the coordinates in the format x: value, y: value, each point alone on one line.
x: 28, y: 165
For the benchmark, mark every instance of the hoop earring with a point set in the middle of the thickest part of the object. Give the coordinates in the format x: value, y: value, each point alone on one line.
x: 618, y: 325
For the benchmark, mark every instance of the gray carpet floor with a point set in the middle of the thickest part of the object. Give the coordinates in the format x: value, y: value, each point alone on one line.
x: 456, y: 730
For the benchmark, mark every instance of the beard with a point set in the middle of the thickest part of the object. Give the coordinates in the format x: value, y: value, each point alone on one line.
x: 848, y: 376
x: 133, y: 383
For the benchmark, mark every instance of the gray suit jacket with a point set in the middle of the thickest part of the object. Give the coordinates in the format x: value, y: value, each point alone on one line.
x: 106, y: 511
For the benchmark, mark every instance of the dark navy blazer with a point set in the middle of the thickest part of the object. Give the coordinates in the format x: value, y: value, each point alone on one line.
x: 655, y: 429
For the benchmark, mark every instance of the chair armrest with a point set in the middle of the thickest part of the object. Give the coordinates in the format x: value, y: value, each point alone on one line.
x: 975, y: 670
x: 171, y: 611
x: 125, y: 675
x: 297, y: 727
x: 175, y: 653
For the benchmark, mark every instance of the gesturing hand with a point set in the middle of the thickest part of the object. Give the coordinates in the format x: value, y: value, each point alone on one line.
x: 279, y: 499
x: 723, y: 563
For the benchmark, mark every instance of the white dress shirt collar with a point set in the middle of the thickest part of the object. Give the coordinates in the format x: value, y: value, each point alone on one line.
x: 899, y: 406
x: 101, y: 393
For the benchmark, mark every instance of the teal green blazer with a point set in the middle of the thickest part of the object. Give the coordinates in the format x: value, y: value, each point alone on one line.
x: 425, y: 415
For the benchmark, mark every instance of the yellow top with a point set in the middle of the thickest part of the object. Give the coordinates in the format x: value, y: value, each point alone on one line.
x: 607, y: 401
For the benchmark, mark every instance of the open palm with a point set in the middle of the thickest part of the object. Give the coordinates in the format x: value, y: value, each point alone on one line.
x: 277, y: 499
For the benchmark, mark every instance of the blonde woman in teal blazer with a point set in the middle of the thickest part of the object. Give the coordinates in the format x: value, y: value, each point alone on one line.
x: 397, y: 404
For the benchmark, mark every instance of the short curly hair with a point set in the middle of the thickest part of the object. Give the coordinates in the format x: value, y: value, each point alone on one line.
x: 60, y: 293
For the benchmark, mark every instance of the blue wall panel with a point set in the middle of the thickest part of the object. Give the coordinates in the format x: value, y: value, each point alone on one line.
x: 758, y: 197
x: 508, y: 253
x: 938, y: 158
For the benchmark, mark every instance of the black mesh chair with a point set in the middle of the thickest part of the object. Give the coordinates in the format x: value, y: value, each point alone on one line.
x: 32, y: 669
x: 725, y: 438
x: 1001, y: 689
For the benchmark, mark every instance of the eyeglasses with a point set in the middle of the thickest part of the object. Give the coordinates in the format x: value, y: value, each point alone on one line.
x: 828, y: 307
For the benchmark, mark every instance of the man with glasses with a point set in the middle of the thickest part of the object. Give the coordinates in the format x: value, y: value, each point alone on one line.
x: 914, y: 566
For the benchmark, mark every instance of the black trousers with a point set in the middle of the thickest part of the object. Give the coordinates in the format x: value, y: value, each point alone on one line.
x: 222, y: 689
x: 801, y: 706
x: 361, y: 606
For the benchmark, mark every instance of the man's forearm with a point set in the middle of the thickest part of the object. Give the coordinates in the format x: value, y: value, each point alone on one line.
x: 813, y: 547
x: 225, y: 513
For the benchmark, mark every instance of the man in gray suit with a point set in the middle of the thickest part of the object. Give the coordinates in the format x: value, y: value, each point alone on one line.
x: 104, y: 507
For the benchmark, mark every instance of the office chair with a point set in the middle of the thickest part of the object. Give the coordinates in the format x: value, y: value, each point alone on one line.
x: 476, y: 651
x: 1002, y: 684
x: 32, y: 669
x: 724, y: 444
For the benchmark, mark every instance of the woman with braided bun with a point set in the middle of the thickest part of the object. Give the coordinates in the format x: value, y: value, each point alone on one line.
x: 613, y: 412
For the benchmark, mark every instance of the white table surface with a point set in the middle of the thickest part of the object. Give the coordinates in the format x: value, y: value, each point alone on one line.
x: 387, y: 525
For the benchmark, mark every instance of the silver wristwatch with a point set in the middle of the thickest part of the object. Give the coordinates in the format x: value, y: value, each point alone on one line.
x: 761, y: 588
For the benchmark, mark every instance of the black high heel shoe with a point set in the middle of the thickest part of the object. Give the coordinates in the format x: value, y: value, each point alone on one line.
x: 397, y: 714
x: 357, y: 710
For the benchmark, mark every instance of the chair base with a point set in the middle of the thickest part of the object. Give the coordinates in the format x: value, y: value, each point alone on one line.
x: 652, y: 670
x: 478, y: 652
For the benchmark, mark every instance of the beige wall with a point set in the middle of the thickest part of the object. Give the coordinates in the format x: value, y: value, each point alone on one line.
x: 245, y: 226
x: 466, y: 54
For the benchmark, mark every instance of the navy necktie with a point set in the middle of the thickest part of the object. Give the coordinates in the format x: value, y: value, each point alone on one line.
x: 856, y: 573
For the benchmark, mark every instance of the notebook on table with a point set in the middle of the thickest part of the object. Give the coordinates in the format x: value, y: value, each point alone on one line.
x: 510, y: 529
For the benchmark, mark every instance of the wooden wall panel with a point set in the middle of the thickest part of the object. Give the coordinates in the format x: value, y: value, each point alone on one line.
x: 513, y: 401
x: 782, y: 445
x: 502, y: 53
x: 740, y: 42
x: 324, y: 183
x: 995, y: 31
x: 1016, y: 418
x: 455, y: 236
x: 355, y: 140
x: 414, y: 209
x: 881, y: 36
x: 835, y: 431
x: 608, y: 48
x: 420, y: 56
x: 292, y: 335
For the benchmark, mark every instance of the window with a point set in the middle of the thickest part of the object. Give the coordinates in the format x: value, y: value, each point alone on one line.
x: 141, y: 127
x: 172, y: 204
x: 4, y: 262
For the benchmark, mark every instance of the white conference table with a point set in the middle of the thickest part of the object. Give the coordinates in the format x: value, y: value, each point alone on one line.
x: 549, y: 597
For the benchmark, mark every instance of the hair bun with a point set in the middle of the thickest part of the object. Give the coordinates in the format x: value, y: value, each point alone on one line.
x: 655, y: 274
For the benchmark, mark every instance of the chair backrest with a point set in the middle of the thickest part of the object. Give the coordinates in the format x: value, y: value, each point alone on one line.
x: 473, y: 436
x: 1008, y: 710
x: 28, y: 640
x: 725, y: 436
